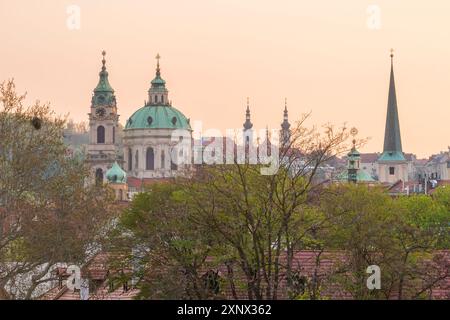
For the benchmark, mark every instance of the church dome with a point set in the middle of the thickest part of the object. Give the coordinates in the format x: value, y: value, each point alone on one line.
x: 116, y: 174
x: 158, y: 112
x: 158, y: 117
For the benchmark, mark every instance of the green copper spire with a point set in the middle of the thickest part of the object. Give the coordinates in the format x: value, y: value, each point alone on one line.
x: 392, y: 149
x: 103, y: 93
x: 103, y: 83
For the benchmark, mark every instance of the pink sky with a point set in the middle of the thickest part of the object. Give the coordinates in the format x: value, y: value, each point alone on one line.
x: 321, y: 55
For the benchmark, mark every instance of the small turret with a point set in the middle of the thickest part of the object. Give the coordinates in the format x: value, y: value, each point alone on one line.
x: 117, y: 180
x: 158, y: 93
x: 116, y: 174
x: 247, y: 124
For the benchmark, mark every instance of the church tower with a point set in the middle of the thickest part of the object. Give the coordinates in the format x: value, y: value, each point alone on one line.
x: 285, y: 127
x: 392, y: 164
x: 103, y: 126
x: 248, y: 125
x: 248, y: 143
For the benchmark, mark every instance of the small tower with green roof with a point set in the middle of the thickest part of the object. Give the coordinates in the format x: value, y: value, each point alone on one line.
x: 353, y: 173
x: 117, y: 180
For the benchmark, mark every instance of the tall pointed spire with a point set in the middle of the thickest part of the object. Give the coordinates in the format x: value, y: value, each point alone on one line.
x: 103, y: 83
x: 392, y: 138
x: 103, y: 92
x: 247, y: 124
x: 285, y: 125
x: 285, y: 132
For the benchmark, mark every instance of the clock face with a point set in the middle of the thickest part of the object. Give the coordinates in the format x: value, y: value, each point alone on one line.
x: 101, y: 112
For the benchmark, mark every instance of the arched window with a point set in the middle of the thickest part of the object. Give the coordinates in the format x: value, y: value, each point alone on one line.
x: 156, y: 99
x: 99, y: 176
x: 150, y: 159
x: 130, y: 159
x: 136, y: 160
x: 100, y: 134
x: 162, y: 99
x: 163, y: 159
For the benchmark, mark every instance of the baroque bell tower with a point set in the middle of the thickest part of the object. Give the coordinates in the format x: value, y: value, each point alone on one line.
x: 103, y: 127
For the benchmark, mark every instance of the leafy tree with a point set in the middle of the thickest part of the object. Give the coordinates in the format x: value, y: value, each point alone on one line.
x: 400, y: 235
x: 48, y: 214
x: 249, y: 222
x: 156, y: 236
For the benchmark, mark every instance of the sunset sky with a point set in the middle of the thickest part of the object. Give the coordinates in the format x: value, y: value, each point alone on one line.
x: 321, y: 55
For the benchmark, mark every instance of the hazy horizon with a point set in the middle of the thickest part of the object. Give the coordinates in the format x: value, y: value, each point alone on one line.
x: 322, y: 56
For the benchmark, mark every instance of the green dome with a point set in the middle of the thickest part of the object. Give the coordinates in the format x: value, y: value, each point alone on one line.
x: 158, y: 117
x: 116, y: 174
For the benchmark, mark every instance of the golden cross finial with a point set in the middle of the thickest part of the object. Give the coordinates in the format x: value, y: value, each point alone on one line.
x: 248, y: 101
x: 285, y: 102
x: 392, y: 52
x: 158, y: 57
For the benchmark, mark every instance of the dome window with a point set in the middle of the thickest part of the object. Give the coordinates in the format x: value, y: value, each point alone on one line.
x: 174, y: 120
x: 149, y: 121
x: 130, y: 121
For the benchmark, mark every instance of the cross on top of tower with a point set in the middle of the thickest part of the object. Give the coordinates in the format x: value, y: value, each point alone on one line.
x: 157, y: 64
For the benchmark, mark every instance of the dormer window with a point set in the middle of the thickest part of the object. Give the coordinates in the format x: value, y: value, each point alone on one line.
x: 149, y: 121
x: 174, y: 120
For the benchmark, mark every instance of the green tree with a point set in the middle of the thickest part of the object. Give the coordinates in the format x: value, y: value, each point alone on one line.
x: 168, y: 252
x: 48, y: 213
x: 233, y: 216
x: 400, y: 235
